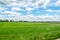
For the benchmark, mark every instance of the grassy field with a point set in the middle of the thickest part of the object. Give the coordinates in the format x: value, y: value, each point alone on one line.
x: 29, y: 31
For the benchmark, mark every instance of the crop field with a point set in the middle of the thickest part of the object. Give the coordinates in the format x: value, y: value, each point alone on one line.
x: 29, y: 31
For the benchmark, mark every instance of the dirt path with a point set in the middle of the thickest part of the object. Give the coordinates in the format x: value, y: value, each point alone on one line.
x: 58, y: 39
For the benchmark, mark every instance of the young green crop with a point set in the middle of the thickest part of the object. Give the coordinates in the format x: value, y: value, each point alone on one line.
x: 29, y: 31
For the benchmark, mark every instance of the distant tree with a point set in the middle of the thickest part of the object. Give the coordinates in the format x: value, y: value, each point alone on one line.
x: 25, y: 21
x: 11, y: 20
x: 3, y: 20
x: 6, y: 20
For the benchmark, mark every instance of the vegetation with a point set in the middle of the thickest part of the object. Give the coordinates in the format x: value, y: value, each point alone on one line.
x: 30, y: 21
x: 12, y: 21
x: 29, y: 31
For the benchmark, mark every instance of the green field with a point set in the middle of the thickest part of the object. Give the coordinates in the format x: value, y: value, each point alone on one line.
x: 29, y: 31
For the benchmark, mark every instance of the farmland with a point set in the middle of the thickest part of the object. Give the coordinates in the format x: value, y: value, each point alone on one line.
x: 29, y: 31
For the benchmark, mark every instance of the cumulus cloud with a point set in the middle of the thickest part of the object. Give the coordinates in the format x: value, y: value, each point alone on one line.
x: 2, y: 8
x: 26, y: 3
x: 15, y: 9
x: 45, y: 3
x: 0, y: 16
x: 3, y: 17
x: 15, y: 16
x: 57, y: 3
x: 41, y: 18
x: 49, y: 10
x: 15, y: 6
x: 11, y: 13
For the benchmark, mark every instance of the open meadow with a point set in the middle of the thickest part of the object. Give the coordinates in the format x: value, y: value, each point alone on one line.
x: 29, y: 31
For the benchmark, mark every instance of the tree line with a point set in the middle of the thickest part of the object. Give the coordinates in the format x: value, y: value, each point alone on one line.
x: 30, y: 21
x: 6, y: 20
x: 12, y: 21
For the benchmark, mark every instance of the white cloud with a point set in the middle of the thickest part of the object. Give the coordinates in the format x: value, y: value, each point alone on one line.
x: 45, y: 3
x: 49, y: 10
x: 15, y: 9
x: 3, y: 17
x: 11, y: 13
x: 30, y: 17
x: 27, y: 3
x: 2, y: 8
x: 29, y: 9
x: 40, y: 18
x: 0, y: 16
x: 57, y: 3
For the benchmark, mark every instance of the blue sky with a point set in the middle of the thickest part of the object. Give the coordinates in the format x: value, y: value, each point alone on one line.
x: 30, y: 10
